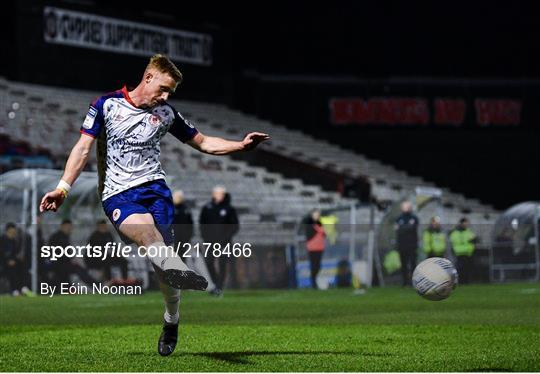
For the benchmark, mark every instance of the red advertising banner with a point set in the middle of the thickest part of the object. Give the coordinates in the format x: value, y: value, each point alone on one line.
x: 498, y: 112
x: 380, y: 110
x: 416, y: 111
x: 449, y: 111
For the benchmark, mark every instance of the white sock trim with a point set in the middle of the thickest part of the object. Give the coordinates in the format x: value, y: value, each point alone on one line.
x: 172, y: 319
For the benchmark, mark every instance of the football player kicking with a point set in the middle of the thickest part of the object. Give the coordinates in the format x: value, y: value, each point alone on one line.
x: 128, y: 125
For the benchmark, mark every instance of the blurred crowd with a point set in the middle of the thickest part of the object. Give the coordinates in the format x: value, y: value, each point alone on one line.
x: 16, y: 258
x: 411, y: 245
x: 458, y: 244
x: 218, y: 222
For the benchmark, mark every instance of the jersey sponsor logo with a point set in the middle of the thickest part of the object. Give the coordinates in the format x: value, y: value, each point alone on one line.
x: 90, y: 118
x: 186, y: 121
x: 116, y: 214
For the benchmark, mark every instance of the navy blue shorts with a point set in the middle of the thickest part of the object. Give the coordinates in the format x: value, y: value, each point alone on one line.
x: 151, y: 197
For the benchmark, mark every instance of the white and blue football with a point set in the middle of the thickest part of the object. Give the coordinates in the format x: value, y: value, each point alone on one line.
x: 435, y: 278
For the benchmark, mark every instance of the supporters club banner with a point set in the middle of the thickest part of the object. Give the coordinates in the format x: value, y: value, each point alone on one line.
x: 78, y: 29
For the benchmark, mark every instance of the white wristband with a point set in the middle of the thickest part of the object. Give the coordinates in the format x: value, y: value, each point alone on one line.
x: 63, y: 185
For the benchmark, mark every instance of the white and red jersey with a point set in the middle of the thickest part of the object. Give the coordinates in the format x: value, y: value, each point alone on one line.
x: 128, y: 146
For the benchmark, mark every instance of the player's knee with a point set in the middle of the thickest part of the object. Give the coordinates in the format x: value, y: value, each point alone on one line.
x: 149, y: 236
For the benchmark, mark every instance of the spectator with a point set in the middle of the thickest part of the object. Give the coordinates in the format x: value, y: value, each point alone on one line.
x: 25, y: 240
x: 183, y: 222
x: 63, y: 267
x: 329, y: 223
x: 407, y: 240
x: 44, y: 264
x: 433, y: 239
x: 315, y: 243
x: 12, y: 258
x: 463, y: 242
x: 218, y: 224
x: 343, y: 274
x: 99, y: 238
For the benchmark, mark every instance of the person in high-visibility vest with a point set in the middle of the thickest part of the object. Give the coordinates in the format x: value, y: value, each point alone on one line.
x: 315, y: 243
x: 463, y: 242
x: 329, y: 223
x: 433, y: 239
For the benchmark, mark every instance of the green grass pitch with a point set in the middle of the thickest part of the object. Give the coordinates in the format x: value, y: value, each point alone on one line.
x: 479, y: 328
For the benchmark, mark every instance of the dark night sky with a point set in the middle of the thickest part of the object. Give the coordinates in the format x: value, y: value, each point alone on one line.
x: 377, y: 38
x: 360, y: 38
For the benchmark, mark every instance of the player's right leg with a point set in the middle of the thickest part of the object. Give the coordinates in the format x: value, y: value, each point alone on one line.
x: 140, y: 228
x: 169, y: 334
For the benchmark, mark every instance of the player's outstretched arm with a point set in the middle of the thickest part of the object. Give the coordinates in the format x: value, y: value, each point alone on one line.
x: 219, y: 146
x: 75, y: 164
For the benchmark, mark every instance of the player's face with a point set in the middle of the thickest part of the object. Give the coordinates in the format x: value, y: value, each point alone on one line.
x: 159, y: 86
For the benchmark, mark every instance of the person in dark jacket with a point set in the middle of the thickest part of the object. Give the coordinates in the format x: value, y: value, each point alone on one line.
x: 183, y: 222
x: 99, y: 238
x: 64, y: 266
x: 12, y: 255
x: 315, y: 243
x: 218, y: 224
x: 406, y: 227
x: 44, y: 264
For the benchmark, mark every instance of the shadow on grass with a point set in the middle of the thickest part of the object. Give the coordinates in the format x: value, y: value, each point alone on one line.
x: 487, y: 370
x: 242, y: 357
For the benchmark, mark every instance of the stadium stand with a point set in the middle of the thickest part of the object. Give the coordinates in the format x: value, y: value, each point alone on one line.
x: 32, y: 113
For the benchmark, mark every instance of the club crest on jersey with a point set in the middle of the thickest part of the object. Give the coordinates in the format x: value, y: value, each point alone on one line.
x: 155, y: 120
x: 116, y: 214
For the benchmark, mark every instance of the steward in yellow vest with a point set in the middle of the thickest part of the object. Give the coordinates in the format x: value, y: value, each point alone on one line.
x: 463, y: 242
x: 433, y: 239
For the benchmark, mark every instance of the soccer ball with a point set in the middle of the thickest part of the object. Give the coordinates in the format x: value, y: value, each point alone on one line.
x: 435, y: 278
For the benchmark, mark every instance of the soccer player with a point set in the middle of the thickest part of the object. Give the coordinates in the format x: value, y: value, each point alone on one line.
x: 128, y: 125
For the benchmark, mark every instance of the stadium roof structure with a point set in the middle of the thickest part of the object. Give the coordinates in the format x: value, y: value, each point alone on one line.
x: 517, y: 222
x: 515, y: 247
